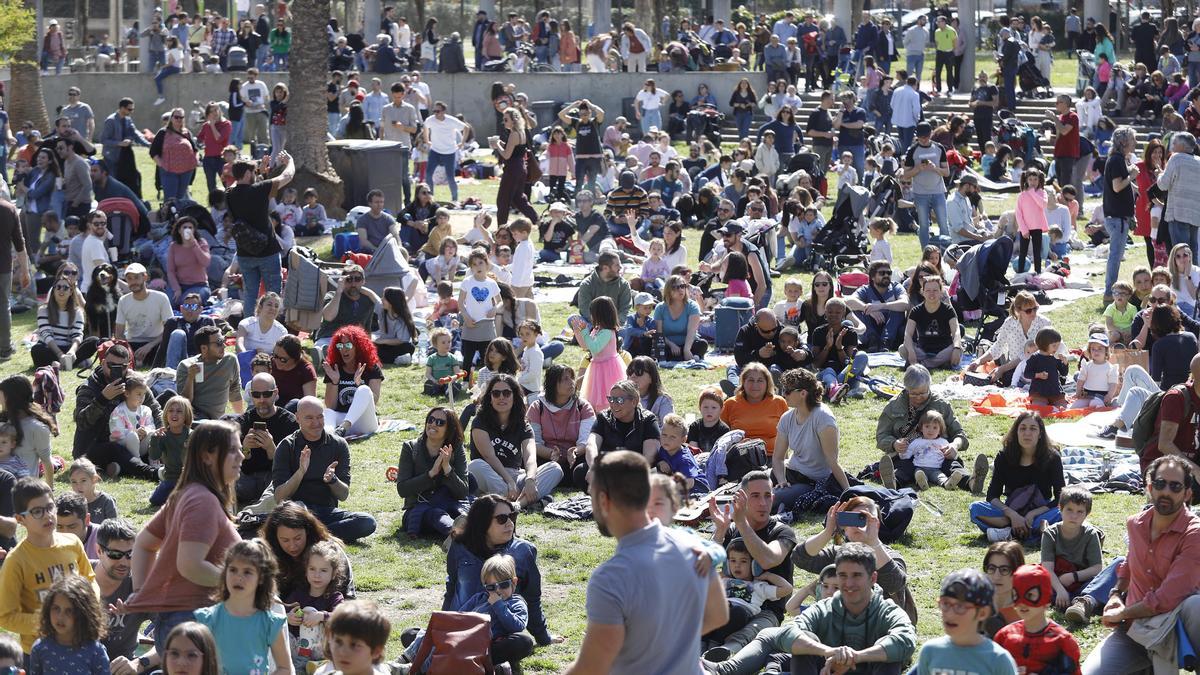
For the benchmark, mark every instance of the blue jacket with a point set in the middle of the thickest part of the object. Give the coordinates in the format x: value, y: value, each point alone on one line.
x: 463, y: 581
x: 865, y: 37
x: 633, y: 330
x: 508, y: 616
x: 117, y: 129
x: 40, y: 191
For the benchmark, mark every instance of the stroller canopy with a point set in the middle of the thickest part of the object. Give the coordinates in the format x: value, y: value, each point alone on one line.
x: 389, y: 268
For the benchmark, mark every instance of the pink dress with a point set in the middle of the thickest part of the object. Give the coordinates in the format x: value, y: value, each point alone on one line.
x: 1031, y: 212
x: 605, y: 369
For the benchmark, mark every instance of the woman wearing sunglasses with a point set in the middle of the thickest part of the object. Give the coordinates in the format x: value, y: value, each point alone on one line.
x: 432, y: 476
x: 626, y: 425
x: 293, y: 370
x: 60, y: 330
x: 174, y: 151
x: 1021, y: 326
x: 353, y: 380
x: 502, y: 443
x: 490, y: 529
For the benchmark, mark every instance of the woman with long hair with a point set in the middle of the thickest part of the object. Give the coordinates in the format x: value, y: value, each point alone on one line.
x: 41, y: 184
x: 396, y: 339
x: 561, y: 420
x: 174, y: 152
x: 102, y: 296
x: 60, y: 330
x: 353, y: 380
x: 280, y: 96
x: 513, y: 151
x: 502, y: 441
x: 1008, y: 349
x: 1028, y: 474
x: 513, y: 312
x: 187, y: 262
x: 429, y: 42
x: 1147, y: 210
x: 1185, y: 278
x: 237, y: 108
x: 356, y: 124
x: 172, y: 66
x: 33, y: 424
x: 743, y: 100
x: 812, y: 310
x: 431, y: 476
x: 177, y: 557
x: 293, y: 370
x: 643, y: 371
x: 1001, y: 560
x: 677, y: 318
x: 291, y: 530
x: 215, y: 134
x: 259, y: 333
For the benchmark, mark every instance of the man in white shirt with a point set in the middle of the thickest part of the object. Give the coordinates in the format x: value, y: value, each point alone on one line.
x: 414, y: 82
x: 443, y: 134
x: 254, y: 116
x: 906, y: 112
x: 403, y: 36
x: 373, y: 102
x: 966, y: 226
x: 95, y: 248
x: 141, y: 315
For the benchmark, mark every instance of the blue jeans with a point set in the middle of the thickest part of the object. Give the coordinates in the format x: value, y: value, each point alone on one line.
x: 881, y: 337
x: 743, y: 119
x: 177, y: 348
x: 1117, y: 228
x: 1193, y: 70
x: 651, y: 118
x: 925, y: 203
x: 202, y: 289
x: 987, y: 510
x: 266, y: 270
x: 448, y: 161
x: 237, y: 133
x: 334, y: 119
x: 279, y: 62
x: 548, y: 256
x: 916, y: 62
x: 345, y: 525
x: 1183, y: 233
x: 906, y: 138
x: 830, y: 376
x: 260, y: 56
x: 800, y: 255
x: 174, y: 185
x: 161, y: 492
x: 164, y: 622
x: 1102, y: 584
x: 163, y: 74
x: 1009, y: 89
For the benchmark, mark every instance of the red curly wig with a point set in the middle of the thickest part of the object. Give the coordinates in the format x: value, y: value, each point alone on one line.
x: 364, y: 349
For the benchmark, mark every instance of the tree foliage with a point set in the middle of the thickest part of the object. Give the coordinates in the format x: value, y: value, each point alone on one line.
x: 18, y: 23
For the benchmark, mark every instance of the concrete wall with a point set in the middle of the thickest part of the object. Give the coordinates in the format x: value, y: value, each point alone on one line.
x: 468, y: 94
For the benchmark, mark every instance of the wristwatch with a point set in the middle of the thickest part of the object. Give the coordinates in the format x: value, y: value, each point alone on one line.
x: 143, y: 663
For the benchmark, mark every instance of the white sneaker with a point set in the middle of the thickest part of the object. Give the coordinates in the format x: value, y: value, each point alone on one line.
x: 160, y: 100
x: 67, y: 360
x: 921, y: 480
x: 403, y: 360
x: 995, y: 534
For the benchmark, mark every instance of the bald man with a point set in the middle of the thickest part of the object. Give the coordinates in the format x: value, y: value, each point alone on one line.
x: 1176, y: 420
x: 756, y: 342
x: 263, y: 426
x: 312, y: 466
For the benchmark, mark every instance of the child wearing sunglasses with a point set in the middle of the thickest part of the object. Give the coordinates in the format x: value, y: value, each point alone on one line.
x: 498, y: 600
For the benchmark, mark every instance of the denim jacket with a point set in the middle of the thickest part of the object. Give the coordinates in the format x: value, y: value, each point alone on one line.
x: 463, y: 580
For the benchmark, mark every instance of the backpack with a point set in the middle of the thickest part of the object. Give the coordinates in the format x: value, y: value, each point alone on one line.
x: 251, y: 241
x: 455, y: 643
x: 749, y: 455
x: 896, y: 508
x: 1145, y: 426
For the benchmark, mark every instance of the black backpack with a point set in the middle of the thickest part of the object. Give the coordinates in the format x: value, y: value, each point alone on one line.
x: 896, y: 508
x: 1145, y: 425
x: 749, y: 455
x: 250, y: 240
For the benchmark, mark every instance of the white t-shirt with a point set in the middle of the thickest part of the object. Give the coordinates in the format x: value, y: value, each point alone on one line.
x: 1095, y: 376
x: 522, y: 265
x: 925, y: 452
x: 530, y: 375
x: 650, y: 100
x: 94, y: 248
x: 175, y: 57
x: 750, y: 594
x: 479, y: 297
x: 254, y: 94
x: 443, y: 134
x: 881, y: 249
x: 256, y: 340
x: 144, y: 319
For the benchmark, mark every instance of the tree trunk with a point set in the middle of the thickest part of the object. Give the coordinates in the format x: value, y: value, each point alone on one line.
x: 643, y: 16
x: 857, y: 7
x: 83, y: 9
x: 307, y: 121
x: 664, y: 9
x: 26, y: 101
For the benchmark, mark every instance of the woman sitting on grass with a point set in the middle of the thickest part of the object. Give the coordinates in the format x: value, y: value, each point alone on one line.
x: 1028, y: 472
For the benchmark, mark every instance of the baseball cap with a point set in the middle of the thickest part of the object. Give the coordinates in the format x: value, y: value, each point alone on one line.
x: 1031, y: 584
x: 732, y: 228
x: 924, y: 129
x: 135, y: 268
x: 969, y: 585
x: 1098, y: 338
x: 968, y: 179
x: 559, y: 206
x: 644, y: 298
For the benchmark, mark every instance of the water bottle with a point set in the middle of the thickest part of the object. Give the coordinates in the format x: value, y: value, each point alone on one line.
x: 423, y: 347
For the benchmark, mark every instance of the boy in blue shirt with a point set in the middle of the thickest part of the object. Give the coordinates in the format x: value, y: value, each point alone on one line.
x: 965, y: 602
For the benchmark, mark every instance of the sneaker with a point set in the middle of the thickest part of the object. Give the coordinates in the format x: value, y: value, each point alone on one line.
x: 113, y: 469
x: 717, y: 654
x: 836, y: 392
x: 160, y: 100
x: 1080, y: 611
x: 403, y: 360
x: 1109, y: 432
x: 887, y: 472
x: 995, y: 534
x: 982, y: 466
x: 957, y: 479
x: 921, y: 480
x: 728, y: 388
x: 785, y: 264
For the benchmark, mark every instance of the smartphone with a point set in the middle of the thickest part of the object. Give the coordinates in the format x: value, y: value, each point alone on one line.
x: 260, y: 426
x: 851, y: 519
x: 117, y: 372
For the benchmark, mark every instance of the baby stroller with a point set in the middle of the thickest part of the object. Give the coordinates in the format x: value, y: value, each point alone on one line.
x: 1086, y: 71
x: 1021, y: 137
x: 704, y: 121
x: 845, y: 233
x: 980, y: 290
x: 884, y: 195
x: 1033, y: 83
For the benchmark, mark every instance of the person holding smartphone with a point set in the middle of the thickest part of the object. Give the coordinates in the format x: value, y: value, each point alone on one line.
x: 263, y: 426
x: 95, y: 401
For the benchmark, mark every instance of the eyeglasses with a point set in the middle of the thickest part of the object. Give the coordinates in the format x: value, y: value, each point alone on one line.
x: 504, y: 518
x: 1002, y: 570
x: 263, y: 394
x: 1161, y: 484
x: 435, y: 421
x: 190, y: 306
x: 176, y: 117
x: 502, y: 393
x: 117, y: 555
x: 884, y: 273
x: 957, y: 607
x: 62, y: 287
x: 39, y: 512
x: 354, y: 277
x: 618, y: 400
x: 345, y: 345
x: 498, y: 586
x: 280, y: 357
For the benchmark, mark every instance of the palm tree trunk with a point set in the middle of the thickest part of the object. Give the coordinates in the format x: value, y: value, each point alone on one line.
x: 26, y: 101
x: 307, y: 121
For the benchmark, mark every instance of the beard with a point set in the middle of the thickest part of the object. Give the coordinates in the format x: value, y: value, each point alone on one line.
x: 1165, y: 506
x: 601, y: 525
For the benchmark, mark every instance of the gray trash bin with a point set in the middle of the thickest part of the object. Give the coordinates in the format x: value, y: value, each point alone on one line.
x: 368, y: 165
x: 546, y: 112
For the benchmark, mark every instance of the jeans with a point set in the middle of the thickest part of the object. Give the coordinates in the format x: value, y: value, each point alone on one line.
x: 161, y: 492
x: 6, y: 346
x: 882, y: 336
x: 174, y: 185
x: 651, y: 118
x: 587, y: 169
x: 916, y: 63
x: 944, y: 60
x: 987, y: 510
x: 163, y: 74
x: 334, y: 120
x: 260, y: 56
x: 925, y: 203
x: 164, y: 622
x: 830, y: 376
x: 434, y: 514
x: 1119, y: 653
x: 1136, y: 387
x: 1009, y: 88
x: 278, y: 138
x: 906, y: 138
x: 251, y: 487
x: 1117, y: 228
x: 743, y: 119
x: 1099, y: 586
x: 1183, y: 233
x: 212, y: 171
x: 279, y: 62
x: 266, y: 270
x: 345, y: 525
x: 548, y: 477
x: 237, y: 134
x: 449, y: 162
x: 177, y: 348
x: 765, y: 619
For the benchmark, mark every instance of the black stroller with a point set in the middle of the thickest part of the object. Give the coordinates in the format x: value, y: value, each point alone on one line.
x: 1032, y: 81
x: 704, y: 122
x: 982, y: 288
x: 845, y: 233
x: 884, y: 195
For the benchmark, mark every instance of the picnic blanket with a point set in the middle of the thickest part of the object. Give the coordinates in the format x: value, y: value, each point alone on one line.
x: 1097, y: 470
x: 990, y: 185
x: 1012, y: 403
x: 385, y: 426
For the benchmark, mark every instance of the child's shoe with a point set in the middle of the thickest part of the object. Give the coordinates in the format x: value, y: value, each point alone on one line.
x: 921, y: 480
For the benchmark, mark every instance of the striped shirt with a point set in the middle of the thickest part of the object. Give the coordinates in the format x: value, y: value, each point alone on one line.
x: 65, y: 333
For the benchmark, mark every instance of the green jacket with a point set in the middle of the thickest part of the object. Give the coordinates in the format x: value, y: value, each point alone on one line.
x: 894, y: 419
x: 594, y: 287
x: 883, y: 624
x: 281, y: 43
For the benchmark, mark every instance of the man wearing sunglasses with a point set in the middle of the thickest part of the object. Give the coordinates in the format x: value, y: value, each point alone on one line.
x: 263, y: 427
x: 626, y: 425
x: 210, y: 379
x: 352, y: 304
x: 756, y: 259
x: 95, y: 401
x: 880, y: 304
x: 1156, y: 580
x: 115, y: 539
x: 181, y: 330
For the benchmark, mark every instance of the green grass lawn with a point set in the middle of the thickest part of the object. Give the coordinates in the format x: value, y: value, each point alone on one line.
x: 406, y: 578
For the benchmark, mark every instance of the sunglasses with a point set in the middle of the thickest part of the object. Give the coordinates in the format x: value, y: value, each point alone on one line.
x: 1002, y: 570
x: 498, y: 586
x: 436, y: 421
x: 263, y: 394
x: 505, y: 518
x: 1161, y: 484
x: 354, y: 277
x: 502, y: 393
x: 618, y: 400
x: 884, y: 273
x: 1030, y: 310
x: 1159, y: 301
x: 190, y: 306
x: 117, y: 555
x: 69, y: 273
x: 345, y: 345
x: 176, y: 117
x: 62, y: 287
